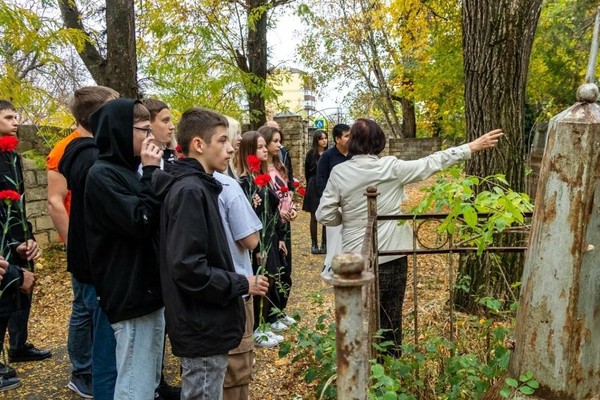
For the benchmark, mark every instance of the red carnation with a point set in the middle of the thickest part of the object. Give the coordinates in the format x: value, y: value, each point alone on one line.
x: 284, y: 189
x: 302, y: 191
x: 262, y: 180
x: 296, y: 183
x: 178, y: 148
x: 253, y: 163
x: 8, y: 143
x: 9, y: 195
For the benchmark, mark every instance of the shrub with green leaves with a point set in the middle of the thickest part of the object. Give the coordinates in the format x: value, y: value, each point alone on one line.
x: 463, y: 197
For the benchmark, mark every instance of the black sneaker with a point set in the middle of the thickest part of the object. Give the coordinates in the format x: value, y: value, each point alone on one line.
x: 314, y: 249
x: 28, y: 353
x: 82, y: 385
x: 7, y: 372
x: 10, y: 383
x: 168, y: 392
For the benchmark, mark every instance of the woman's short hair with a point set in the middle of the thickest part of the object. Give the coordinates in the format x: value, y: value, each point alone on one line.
x: 366, y: 137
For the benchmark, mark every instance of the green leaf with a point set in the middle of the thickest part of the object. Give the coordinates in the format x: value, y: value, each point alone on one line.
x: 377, y: 370
x: 505, y: 392
x: 533, y: 384
x: 511, y: 382
x: 526, y: 390
x: 470, y: 216
x: 526, y: 376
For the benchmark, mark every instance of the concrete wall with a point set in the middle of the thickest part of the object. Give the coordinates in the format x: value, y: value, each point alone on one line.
x: 412, y: 149
x: 296, y: 140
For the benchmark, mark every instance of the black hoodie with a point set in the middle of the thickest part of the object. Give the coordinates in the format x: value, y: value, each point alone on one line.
x: 121, y: 219
x: 74, y: 165
x: 204, y: 310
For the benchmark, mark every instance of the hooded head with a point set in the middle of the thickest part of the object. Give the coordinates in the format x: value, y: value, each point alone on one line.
x: 113, y: 128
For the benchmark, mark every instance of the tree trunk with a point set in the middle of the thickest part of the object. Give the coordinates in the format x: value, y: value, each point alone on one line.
x: 497, y: 40
x: 409, y: 120
x: 119, y: 69
x: 121, y: 55
x: 257, y: 61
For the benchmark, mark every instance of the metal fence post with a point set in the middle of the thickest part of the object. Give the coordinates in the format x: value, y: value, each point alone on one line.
x: 352, y: 358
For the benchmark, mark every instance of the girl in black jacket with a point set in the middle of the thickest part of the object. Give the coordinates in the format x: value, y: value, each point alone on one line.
x: 313, y: 195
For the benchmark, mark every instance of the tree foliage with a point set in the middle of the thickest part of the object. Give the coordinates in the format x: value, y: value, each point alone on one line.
x: 394, y: 52
x: 560, y: 53
x: 37, y: 71
x: 208, y: 53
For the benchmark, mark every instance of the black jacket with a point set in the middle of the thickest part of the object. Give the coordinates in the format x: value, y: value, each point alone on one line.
x: 121, y: 219
x: 74, y: 165
x: 11, y: 173
x: 203, y: 295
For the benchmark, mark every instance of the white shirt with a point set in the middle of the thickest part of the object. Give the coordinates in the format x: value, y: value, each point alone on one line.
x: 343, y: 201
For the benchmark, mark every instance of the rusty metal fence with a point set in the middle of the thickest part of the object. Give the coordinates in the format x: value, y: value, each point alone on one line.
x: 370, y: 251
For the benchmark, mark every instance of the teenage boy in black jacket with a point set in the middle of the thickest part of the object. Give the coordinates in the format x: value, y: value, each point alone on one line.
x: 121, y: 226
x: 204, y: 308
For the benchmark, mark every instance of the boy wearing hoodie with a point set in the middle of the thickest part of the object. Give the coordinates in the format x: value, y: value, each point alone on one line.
x: 121, y: 222
x: 204, y: 308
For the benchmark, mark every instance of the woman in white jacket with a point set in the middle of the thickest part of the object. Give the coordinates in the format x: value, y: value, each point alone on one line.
x: 343, y: 203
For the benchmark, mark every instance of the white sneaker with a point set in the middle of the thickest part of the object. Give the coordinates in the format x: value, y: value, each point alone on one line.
x: 279, y: 326
x: 289, y: 321
x: 275, y: 336
x: 262, y: 339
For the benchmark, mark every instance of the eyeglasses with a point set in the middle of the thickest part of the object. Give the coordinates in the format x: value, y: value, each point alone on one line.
x: 147, y: 130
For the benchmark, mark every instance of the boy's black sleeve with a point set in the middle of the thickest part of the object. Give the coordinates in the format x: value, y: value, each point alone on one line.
x: 12, y: 279
x: 187, y: 241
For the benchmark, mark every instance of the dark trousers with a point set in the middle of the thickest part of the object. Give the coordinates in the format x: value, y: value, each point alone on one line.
x: 392, y: 287
x: 17, y: 324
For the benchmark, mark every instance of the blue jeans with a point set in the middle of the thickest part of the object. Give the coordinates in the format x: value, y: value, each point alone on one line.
x: 202, y: 377
x: 139, y: 355
x: 81, y: 327
x: 104, y: 371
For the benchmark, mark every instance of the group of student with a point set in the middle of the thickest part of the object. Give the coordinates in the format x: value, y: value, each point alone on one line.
x: 165, y: 237
x: 180, y: 239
